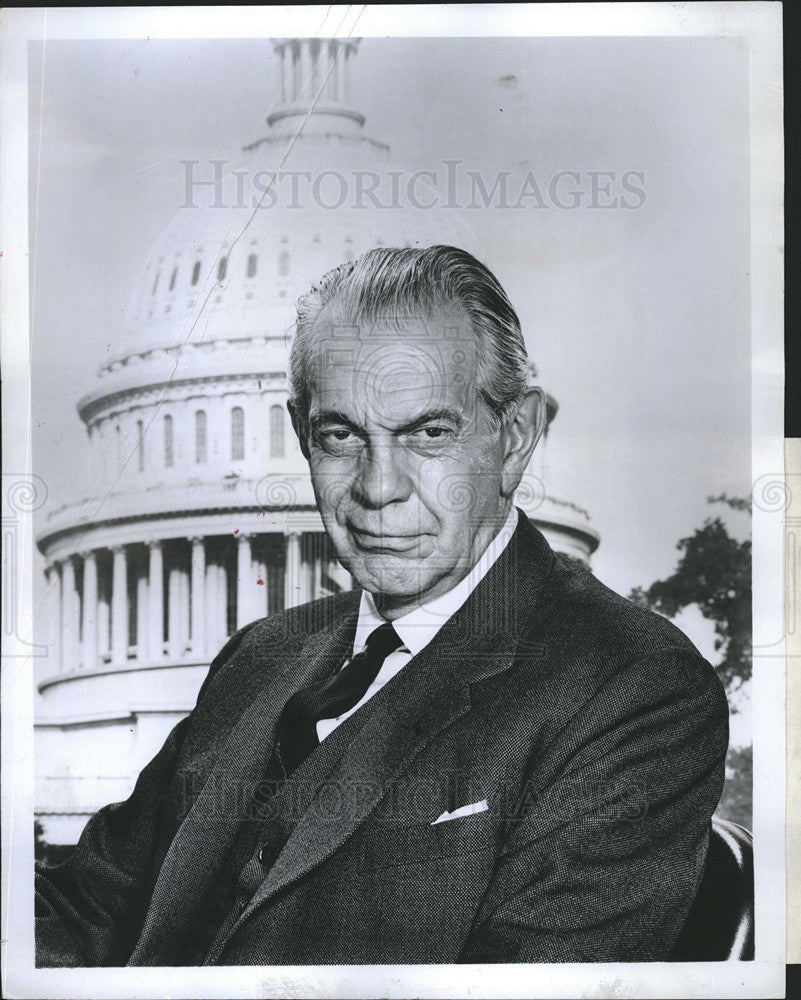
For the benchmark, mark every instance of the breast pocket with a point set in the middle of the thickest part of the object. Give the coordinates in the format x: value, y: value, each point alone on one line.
x: 388, y: 843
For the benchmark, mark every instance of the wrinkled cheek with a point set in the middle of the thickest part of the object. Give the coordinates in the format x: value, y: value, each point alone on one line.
x: 330, y: 490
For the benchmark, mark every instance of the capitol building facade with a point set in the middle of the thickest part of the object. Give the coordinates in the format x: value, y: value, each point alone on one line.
x: 197, y: 513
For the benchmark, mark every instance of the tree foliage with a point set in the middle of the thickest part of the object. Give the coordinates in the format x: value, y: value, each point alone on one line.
x: 714, y: 573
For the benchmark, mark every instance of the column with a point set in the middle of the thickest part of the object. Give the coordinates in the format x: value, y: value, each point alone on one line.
x: 184, y: 638
x: 292, y: 70
x: 315, y: 53
x: 155, y: 590
x: 244, y: 581
x: 199, y: 596
x: 119, y: 607
x: 346, y: 74
x: 142, y: 617
x: 340, y: 72
x: 174, y: 612
x: 317, y: 569
x: 222, y: 597
x: 54, y: 616
x: 262, y: 590
x: 305, y: 94
x: 284, y: 55
x: 212, y: 609
x: 331, y: 71
x: 104, y: 613
x: 69, y: 631
x: 89, y: 610
x: 292, y: 579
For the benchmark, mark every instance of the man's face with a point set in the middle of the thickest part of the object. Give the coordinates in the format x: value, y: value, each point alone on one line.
x: 405, y: 458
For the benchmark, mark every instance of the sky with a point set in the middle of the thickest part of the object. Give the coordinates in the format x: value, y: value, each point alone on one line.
x: 637, y: 318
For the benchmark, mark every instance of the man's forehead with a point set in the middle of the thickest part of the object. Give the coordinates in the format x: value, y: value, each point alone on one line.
x: 441, y: 324
x: 394, y: 368
x: 416, y: 341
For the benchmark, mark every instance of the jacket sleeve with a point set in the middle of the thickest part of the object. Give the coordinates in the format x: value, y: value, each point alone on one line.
x: 607, y: 843
x: 90, y: 908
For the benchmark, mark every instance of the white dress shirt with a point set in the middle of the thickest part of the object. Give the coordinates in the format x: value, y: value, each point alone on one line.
x: 418, y: 627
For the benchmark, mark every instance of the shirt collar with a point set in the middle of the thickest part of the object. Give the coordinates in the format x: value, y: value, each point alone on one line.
x: 419, y: 626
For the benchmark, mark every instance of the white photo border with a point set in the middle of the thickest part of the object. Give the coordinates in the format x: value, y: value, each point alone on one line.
x: 758, y: 25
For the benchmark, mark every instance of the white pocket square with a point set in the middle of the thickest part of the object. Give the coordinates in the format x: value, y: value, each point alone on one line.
x: 469, y: 810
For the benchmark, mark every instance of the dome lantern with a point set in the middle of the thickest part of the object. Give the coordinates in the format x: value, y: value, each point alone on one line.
x: 315, y: 84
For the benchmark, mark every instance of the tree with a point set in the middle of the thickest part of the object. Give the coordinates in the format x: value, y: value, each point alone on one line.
x: 714, y: 573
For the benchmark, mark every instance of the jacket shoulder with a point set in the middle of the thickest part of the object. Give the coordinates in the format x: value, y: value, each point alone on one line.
x: 261, y: 643
x: 604, y: 614
x: 595, y: 634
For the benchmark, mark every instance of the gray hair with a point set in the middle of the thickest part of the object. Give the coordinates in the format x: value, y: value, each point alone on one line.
x: 389, y: 284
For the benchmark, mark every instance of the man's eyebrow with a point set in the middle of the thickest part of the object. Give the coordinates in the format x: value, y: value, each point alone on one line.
x: 332, y: 417
x: 444, y: 413
x: 430, y: 416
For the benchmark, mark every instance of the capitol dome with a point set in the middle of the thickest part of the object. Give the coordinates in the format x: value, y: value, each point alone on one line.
x: 198, y: 514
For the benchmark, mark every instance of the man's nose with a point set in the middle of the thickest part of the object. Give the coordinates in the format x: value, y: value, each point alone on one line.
x: 381, y: 478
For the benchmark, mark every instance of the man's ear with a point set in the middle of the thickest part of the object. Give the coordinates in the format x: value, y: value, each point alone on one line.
x: 521, y: 433
x: 300, y: 427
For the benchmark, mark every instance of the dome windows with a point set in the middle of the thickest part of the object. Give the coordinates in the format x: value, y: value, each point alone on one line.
x: 283, y: 263
x: 168, y: 442
x: 276, y: 431
x: 201, y: 437
x: 196, y: 272
x: 222, y: 269
x: 253, y: 261
x: 237, y: 434
x: 174, y: 277
x: 156, y: 283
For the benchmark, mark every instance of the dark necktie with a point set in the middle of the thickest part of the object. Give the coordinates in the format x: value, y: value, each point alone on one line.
x: 331, y: 697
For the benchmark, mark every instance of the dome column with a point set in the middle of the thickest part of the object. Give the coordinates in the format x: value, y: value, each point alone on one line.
x: 306, y: 94
x: 178, y: 609
x: 331, y: 71
x: 244, y: 581
x: 213, y: 609
x: 292, y: 581
x: 261, y: 569
x: 294, y: 72
x: 346, y: 74
x: 285, y: 55
x: 340, y: 73
x: 104, y: 615
x: 69, y: 620
x: 142, y: 616
x: 317, y: 568
x: 119, y: 607
x: 155, y: 589
x: 198, y: 596
x: 89, y: 627
x: 54, y: 615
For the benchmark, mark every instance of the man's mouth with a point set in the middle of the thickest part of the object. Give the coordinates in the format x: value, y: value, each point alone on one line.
x: 382, y: 541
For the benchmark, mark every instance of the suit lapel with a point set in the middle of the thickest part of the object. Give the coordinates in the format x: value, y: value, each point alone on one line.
x: 429, y: 694
x: 202, y: 841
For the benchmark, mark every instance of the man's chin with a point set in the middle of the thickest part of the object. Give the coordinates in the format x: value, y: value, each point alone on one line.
x: 392, y: 576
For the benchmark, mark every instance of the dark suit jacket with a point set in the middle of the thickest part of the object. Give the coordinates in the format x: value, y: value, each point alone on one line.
x: 594, y: 729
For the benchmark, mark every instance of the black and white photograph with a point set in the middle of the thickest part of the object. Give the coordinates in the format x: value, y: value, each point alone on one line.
x: 393, y: 501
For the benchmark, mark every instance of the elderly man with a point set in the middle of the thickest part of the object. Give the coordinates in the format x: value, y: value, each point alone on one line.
x: 483, y: 755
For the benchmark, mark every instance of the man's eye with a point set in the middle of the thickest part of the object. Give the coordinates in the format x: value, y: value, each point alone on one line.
x: 336, y: 434
x: 433, y: 432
